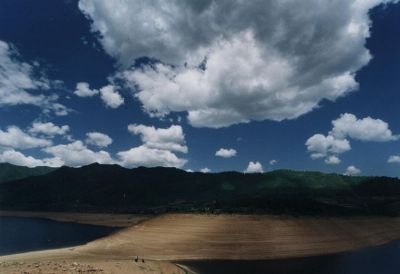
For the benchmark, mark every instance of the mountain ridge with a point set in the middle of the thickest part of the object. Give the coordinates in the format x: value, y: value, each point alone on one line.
x: 10, y: 172
x: 112, y: 188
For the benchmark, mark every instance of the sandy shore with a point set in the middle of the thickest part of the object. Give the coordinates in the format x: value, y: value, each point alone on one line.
x: 180, y: 237
x: 90, y: 265
x: 104, y: 219
x: 243, y: 237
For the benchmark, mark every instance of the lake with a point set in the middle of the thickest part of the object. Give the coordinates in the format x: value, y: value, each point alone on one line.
x: 28, y: 234
x: 373, y: 260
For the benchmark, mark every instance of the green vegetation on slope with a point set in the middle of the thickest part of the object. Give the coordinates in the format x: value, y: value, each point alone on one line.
x: 111, y: 188
x: 9, y: 172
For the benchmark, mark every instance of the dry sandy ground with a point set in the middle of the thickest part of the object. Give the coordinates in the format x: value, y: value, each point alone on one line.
x: 179, y: 237
x: 243, y: 237
x: 113, y: 220
x: 80, y: 266
x: 70, y: 260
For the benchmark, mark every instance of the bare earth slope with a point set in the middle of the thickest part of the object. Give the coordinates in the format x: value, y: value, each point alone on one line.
x: 177, y: 237
x: 244, y: 237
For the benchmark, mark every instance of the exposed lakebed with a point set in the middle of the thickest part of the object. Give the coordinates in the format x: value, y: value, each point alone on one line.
x: 27, y: 234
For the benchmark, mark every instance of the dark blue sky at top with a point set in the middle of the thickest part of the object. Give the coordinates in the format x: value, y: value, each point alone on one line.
x: 58, y: 36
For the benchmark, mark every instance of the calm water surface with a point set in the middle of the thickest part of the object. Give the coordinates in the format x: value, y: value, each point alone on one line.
x: 27, y: 234
x: 375, y: 260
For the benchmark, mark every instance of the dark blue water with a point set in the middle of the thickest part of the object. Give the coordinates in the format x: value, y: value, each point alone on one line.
x: 27, y: 234
x: 374, y: 260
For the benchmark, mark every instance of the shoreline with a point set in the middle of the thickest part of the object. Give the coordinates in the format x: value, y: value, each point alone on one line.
x: 101, y: 219
x: 168, y: 241
x: 270, y: 237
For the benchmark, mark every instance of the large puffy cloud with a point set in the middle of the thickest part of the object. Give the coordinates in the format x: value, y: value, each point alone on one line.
x: 227, y: 62
x: 18, y: 79
x: 320, y: 145
x: 171, y: 138
x: 159, y: 145
x: 17, y: 158
x: 38, y: 135
x: 226, y: 152
x: 149, y: 157
x: 366, y: 129
x: 254, y: 167
x: 77, y: 154
x: 48, y: 129
x: 14, y: 137
x: 98, y: 139
x: 74, y: 154
x: 158, y: 148
x: 347, y: 126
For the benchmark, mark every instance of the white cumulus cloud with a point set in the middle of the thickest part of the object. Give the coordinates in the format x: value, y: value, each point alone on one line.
x: 111, y: 97
x: 205, y: 170
x: 83, y: 90
x: 366, y: 129
x: 149, y: 157
x: 320, y: 145
x: 158, y: 148
x: 347, y: 126
x: 254, y: 167
x: 394, y: 159
x: 226, y: 152
x: 17, y: 158
x: 22, y: 83
x: 332, y: 160
x: 108, y: 94
x: 229, y: 62
x: 14, y: 137
x: 77, y: 154
x: 98, y: 139
x: 48, y: 129
x: 352, y: 171
x: 171, y: 138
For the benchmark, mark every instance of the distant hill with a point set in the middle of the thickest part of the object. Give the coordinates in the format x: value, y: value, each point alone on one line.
x: 112, y: 188
x: 9, y: 172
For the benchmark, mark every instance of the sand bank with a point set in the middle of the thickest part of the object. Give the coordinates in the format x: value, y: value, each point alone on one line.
x: 180, y: 237
x: 244, y: 237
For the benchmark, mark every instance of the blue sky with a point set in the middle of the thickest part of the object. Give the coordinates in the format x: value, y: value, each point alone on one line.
x: 260, y: 79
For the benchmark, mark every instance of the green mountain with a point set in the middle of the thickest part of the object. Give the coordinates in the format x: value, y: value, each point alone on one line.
x: 111, y: 188
x: 9, y: 172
